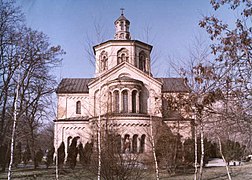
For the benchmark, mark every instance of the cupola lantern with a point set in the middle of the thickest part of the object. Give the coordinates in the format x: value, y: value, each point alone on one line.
x: 122, y: 28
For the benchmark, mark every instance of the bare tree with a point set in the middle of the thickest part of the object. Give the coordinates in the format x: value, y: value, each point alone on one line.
x: 201, y: 78
x: 11, y: 19
x: 231, y: 46
x: 118, y: 160
x: 37, y: 83
x: 25, y: 53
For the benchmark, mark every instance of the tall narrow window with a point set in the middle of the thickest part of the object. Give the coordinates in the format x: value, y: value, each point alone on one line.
x: 110, y: 102
x: 78, y: 107
x: 103, y: 61
x: 134, y: 143
x: 116, y: 100
x: 118, y: 143
x: 142, y: 143
x: 142, y: 61
x: 126, y: 144
x: 68, y: 142
x: 125, y: 101
x: 122, y: 26
x: 134, y: 94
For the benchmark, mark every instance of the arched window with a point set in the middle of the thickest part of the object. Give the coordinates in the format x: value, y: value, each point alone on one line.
x: 68, y: 142
x: 134, y: 143
x: 118, y: 143
x: 134, y: 96
x: 110, y: 102
x: 126, y: 144
x: 142, y: 143
x: 122, y: 55
x: 125, y: 101
x: 142, y: 61
x: 103, y: 61
x: 116, y: 101
x: 78, y: 107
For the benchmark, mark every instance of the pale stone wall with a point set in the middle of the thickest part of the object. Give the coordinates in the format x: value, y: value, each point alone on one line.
x: 112, y: 55
x: 67, y: 105
x: 65, y: 129
x: 112, y: 49
x: 151, y: 91
x: 131, y: 126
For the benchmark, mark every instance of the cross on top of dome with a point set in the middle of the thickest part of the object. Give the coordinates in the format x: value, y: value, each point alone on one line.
x: 122, y: 9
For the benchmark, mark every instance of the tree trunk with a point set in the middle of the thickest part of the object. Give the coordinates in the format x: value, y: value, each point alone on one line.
x: 13, y: 129
x: 222, y: 156
x: 99, y: 136
x: 195, y: 153
x: 202, y: 151
x: 56, y: 155
x: 33, y: 153
x: 154, y: 150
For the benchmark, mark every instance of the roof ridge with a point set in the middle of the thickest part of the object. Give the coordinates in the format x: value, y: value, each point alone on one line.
x: 80, y: 85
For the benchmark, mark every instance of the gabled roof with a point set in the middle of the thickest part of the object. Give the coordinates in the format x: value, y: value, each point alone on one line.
x: 74, y: 85
x: 117, y: 68
x: 80, y: 85
x: 173, y: 85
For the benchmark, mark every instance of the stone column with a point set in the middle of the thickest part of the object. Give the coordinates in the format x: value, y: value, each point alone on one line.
x: 111, y: 96
x: 65, y: 142
x: 122, y: 144
x: 138, y: 144
x: 120, y: 101
x: 183, y: 149
x: 129, y: 101
x: 131, y: 143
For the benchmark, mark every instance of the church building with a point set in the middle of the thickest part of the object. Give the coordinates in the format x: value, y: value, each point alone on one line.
x: 123, y: 93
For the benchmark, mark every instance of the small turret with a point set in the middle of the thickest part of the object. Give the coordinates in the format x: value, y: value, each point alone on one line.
x: 122, y: 28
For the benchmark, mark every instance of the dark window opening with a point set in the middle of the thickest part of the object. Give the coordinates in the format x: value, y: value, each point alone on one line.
x: 134, y: 96
x: 118, y: 143
x: 125, y: 101
x: 126, y: 144
x: 134, y: 144
x: 142, y: 143
x: 116, y: 105
x: 142, y: 61
x: 78, y: 107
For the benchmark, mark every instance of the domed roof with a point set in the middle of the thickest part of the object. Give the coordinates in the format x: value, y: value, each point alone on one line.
x: 125, y: 79
x: 122, y: 18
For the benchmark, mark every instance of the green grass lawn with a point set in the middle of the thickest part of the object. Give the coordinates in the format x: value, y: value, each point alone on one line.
x: 243, y: 172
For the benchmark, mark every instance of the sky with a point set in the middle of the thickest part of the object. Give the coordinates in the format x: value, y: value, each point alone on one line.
x: 172, y: 27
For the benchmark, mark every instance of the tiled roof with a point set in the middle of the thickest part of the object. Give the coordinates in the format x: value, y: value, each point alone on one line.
x: 80, y: 85
x: 173, y: 85
x: 74, y: 85
x: 81, y: 118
